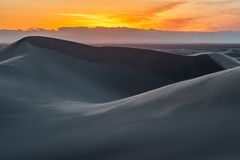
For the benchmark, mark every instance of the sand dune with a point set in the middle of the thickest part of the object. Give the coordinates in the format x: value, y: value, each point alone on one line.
x: 97, y: 74
x: 64, y: 100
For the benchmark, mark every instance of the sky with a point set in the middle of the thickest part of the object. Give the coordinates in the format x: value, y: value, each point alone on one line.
x: 167, y: 15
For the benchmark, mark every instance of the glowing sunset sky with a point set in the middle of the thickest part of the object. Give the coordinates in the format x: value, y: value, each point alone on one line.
x: 177, y: 15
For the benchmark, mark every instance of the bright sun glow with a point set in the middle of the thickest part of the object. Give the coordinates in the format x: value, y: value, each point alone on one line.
x: 177, y: 15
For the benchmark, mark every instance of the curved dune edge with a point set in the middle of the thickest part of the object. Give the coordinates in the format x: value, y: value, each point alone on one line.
x: 96, y: 74
x: 55, y: 106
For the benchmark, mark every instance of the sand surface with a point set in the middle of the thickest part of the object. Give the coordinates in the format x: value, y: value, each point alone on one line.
x: 64, y: 100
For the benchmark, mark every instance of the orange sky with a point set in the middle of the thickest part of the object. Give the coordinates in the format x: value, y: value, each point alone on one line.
x: 177, y: 15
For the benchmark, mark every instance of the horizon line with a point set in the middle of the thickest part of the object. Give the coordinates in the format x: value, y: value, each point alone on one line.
x: 99, y: 27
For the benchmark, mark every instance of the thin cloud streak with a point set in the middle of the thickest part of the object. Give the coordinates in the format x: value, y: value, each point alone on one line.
x: 177, y: 15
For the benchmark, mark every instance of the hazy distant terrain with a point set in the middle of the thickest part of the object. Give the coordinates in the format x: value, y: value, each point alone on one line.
x: 123, y: 36
x: 68, y: 101
x: 183, y: 49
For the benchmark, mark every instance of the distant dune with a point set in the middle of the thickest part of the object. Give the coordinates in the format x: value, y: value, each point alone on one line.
x: 65, y: 100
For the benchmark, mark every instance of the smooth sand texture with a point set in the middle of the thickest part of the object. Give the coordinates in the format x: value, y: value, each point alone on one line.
x: 63, y: 100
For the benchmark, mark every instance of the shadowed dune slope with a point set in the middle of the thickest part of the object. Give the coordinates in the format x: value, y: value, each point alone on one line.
x: 174, y: 67
x: 95, y: 74
x: 66, y: 101
x: 180, y: 121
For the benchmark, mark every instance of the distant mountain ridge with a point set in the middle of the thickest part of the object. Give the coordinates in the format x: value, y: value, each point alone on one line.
x: 123, y: 35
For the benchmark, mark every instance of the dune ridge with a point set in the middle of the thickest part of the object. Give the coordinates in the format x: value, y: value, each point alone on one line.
x: 117, y: 72
x: 64, y: 100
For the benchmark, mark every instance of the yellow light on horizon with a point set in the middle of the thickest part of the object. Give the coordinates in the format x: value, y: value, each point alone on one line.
x: 176, y: 15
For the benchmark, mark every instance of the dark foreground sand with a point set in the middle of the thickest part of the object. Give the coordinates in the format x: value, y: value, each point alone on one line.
x: 63, y: 100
